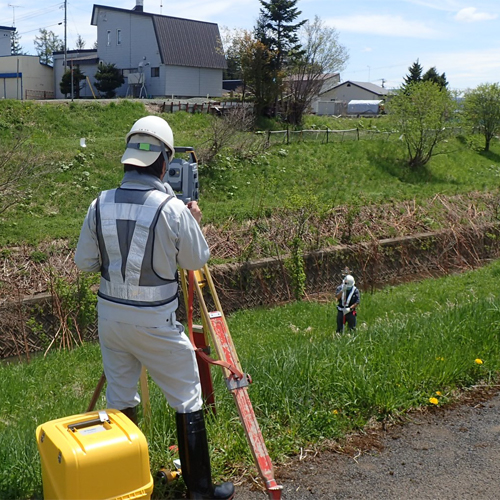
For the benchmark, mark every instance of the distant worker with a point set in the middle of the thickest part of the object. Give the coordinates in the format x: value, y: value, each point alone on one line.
x: 348, y: 297
x: 136, y: 236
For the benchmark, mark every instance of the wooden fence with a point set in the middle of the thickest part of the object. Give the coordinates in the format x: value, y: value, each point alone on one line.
x: 330, y: 135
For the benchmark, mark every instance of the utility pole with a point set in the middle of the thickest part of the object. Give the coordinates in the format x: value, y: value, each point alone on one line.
x: 65, y: 35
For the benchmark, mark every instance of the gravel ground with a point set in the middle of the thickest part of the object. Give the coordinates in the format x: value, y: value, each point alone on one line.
x: 443, y: 453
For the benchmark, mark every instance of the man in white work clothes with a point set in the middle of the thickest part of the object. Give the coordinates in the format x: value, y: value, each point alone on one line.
x: 136, y: 236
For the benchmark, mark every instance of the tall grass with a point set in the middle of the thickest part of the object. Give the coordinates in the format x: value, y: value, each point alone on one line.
x: 413, y: 342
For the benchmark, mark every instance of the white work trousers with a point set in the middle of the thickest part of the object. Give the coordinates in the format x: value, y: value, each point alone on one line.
x: 167, y: 354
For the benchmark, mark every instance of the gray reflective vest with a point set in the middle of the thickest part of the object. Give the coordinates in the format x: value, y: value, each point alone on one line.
x: 125, y: 223
x: 345, y: 300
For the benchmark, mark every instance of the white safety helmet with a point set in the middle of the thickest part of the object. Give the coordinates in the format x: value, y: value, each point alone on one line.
x: 148, y: 138
x: 349, y: 281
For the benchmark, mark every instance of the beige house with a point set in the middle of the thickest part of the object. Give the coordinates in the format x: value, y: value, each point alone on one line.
x: 334, y: 101
x: 23, y: 77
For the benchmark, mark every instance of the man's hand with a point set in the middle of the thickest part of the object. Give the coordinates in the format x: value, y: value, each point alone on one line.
x: 195, y: 210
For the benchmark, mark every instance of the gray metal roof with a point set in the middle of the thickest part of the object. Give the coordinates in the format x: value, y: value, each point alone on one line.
x: 371, y: 87
x: 184, y: 42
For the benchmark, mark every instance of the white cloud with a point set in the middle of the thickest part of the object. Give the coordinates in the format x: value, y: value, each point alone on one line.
x: 395, y: 26
x: 471, y: 15
x: 467, y: 67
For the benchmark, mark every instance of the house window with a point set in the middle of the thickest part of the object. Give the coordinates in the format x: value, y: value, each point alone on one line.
x: 109, y: 38
x: 118, y: 37
x: 155, y: 72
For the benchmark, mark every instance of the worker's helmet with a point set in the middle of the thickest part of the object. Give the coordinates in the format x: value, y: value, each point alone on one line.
x: 349, y: 281
x: 148, y: 138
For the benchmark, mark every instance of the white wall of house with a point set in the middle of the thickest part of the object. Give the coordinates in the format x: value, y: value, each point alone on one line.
x: 5, y: 37
x: 127, y: 40
x: 184, y: 81
x: 23, y: 77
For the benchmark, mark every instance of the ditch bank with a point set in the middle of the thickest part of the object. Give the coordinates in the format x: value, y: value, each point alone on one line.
x: 32, y: 324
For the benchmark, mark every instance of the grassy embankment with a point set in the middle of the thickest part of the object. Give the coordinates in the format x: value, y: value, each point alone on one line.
x: 309, y: 385
x: 322, y: 175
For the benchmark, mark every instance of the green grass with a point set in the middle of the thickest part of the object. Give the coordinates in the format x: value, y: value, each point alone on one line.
x: 309, y: 384
x: 234, y: 188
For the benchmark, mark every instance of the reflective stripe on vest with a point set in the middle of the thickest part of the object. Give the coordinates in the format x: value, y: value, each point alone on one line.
x: 126, y: 221
x: 345, y: 302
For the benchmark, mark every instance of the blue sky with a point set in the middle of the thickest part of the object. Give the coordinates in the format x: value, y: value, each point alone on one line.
x: 459, y: 37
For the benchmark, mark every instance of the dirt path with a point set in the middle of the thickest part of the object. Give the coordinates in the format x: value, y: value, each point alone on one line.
x: 441, y: 453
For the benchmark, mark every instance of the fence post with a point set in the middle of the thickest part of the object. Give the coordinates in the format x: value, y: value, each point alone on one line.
x: 327, y: 134
x: 287, y: 135
x: 357, y: 132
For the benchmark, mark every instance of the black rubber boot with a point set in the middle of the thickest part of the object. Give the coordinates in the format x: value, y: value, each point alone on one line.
x: 195, y: 459
x: 131, y: 413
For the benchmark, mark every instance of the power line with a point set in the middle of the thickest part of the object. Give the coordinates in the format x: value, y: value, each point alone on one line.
x: 39, y: 12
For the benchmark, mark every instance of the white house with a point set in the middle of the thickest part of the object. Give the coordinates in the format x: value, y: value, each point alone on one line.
x: 159, y: 55
x: 5, y: 39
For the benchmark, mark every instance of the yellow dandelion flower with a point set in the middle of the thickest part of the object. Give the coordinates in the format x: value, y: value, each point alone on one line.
x: 434, y: 401
x: 438, y: 393
x: 440, y: 358
x: 335, y: 412
x: 478, y: 361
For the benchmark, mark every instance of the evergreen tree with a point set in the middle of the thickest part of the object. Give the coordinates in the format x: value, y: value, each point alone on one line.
x: 65, y: 84
x: 432, y: 75
x: 415, y: 74
x: 275, y: 29
x: 15, y: 45
x: 108, y: 79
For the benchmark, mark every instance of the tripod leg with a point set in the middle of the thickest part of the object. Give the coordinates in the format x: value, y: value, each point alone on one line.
x: 97, y: 392
x: 146, y: 404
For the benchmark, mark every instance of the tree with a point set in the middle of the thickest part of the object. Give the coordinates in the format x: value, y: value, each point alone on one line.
x: 482, y: 110
x: 231, y: 41
x: 108, y: 79
x: 421, y: 110
x: 65, y: 84
x: 15, y: 44
x: 258, y: 73
x: 80, y: 43
x: 46, y: 44
x: 432, y: 75
x: 321, y: 54
x: 276, y: 30
x: 415, y: 74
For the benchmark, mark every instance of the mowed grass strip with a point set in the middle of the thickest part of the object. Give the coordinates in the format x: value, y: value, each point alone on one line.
x: 416, y: 345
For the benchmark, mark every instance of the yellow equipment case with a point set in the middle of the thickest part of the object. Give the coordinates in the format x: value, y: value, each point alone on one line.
x: 100, y: 455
